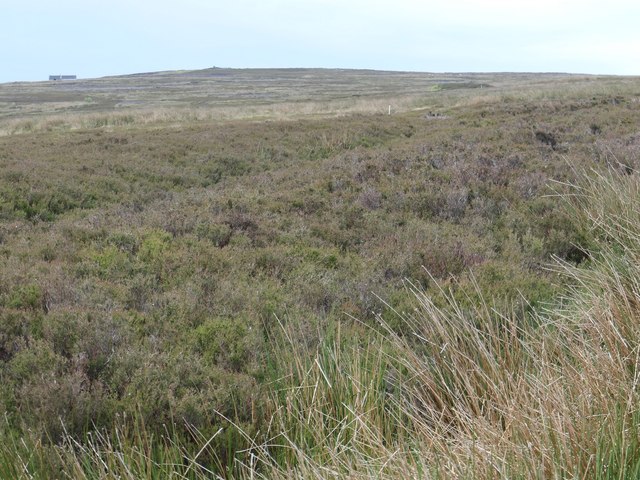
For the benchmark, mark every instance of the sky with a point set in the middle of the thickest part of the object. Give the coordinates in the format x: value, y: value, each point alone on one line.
x: 93, y: 39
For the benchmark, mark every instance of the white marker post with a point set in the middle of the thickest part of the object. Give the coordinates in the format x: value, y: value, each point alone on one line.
x: 389, y: 109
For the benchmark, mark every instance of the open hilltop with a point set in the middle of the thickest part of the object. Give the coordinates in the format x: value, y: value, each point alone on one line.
x: 222, y: 94
x: 310, y: 273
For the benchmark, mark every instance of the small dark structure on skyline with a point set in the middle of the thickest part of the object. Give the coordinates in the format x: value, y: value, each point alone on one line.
x: 62, y: 77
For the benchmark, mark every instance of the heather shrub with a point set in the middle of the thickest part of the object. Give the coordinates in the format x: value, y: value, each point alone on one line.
x: 228, y: 343
x: 383, y: 274
x: 27, y: 297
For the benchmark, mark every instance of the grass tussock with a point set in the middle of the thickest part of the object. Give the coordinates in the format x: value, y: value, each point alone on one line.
x: 130, y: 451
x: 474, y: 393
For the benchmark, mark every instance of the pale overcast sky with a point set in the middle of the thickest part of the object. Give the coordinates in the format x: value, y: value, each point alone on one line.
x: 92, y: 39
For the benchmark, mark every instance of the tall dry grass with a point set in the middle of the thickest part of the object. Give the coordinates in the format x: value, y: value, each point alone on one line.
x: 477, y: 393
x: 163, y: 116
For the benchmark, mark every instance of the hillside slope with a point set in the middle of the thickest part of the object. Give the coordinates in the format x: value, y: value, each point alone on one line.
x: 191, y: 267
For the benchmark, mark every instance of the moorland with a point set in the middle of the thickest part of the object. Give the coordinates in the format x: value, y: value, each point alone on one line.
x: 309, y: 273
